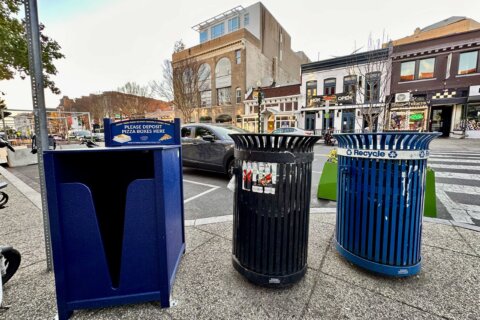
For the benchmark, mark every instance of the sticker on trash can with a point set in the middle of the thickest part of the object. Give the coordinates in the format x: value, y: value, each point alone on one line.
x: 384, y: 154
x: 259, y: 177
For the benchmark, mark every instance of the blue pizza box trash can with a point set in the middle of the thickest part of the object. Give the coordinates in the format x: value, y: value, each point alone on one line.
x: 380, y: 200
x: 116, y: 217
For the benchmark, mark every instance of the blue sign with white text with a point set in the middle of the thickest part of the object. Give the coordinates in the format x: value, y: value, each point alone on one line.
x: 141, y: 132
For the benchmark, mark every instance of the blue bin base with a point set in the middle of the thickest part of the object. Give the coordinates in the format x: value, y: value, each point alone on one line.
x: 388, y: 270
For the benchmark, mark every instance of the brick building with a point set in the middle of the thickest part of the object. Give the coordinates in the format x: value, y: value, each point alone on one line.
x: 240, y: 49
x: 436, y: 84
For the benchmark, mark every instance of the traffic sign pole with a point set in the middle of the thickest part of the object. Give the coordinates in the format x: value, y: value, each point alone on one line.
x: 40, y: 115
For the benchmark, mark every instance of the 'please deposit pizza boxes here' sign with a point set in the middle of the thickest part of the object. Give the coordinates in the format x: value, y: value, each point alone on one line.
x: 141, y: 132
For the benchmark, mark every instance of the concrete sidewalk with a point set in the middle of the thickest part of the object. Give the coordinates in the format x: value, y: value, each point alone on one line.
x: 207, y: 286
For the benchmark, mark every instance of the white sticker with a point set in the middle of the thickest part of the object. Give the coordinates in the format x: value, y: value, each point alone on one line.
x: 257, y: 189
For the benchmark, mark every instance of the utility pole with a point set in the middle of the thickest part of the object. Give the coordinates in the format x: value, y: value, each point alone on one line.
x: 40, y: 115
x: 259, y: 100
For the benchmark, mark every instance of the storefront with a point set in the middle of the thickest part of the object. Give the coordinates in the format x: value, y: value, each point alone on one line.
x: 410, y: 115
x: 472, y: 118
x: 446, y: 113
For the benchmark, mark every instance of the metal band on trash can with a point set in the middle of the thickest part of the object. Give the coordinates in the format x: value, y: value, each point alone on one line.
x: 384, y: 154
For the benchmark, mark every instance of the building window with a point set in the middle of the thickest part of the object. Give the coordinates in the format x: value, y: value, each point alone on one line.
x: 217, y: 30
x: 417, y: 70
x: 246, y: 19
x: 407, y: 71
x: 233, y: 24
x: 223, y: 73
x: 350, y: 84
x: 295, y: 105
x: 311, y: 91
x: 372, y: 87
x: 238, y: 95
x: 288, y: 106
x: 329, y: 86
x: 468, y: 62
x: 238, y: 56
x: 206, y: 98
x: 284, y: 122
x: 223, y: 96
x: 204, y: 77
x: 426, y: 68
x: 203, y: 36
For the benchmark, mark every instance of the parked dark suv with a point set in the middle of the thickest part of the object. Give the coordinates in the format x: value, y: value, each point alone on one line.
x: 208, y: 147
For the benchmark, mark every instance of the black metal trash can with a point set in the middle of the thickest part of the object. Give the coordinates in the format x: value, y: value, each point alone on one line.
x: 271, y: 207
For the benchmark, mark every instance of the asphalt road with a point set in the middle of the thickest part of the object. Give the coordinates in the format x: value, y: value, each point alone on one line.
x: 205, y: 193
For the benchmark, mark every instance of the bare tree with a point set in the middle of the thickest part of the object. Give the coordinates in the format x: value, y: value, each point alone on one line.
x: 183, y: 83
x: 135, y: 101
x: 373, y: 76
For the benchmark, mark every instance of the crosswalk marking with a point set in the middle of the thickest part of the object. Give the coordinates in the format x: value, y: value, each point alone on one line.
x: 454, y: 166
x: 460, y: 161
x: 456, y: 153
x: 456, y: 175
x: 467, y: 156
x: 434, y: 159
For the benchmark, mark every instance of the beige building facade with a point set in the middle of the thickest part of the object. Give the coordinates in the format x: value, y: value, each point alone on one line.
x: 239, y: 50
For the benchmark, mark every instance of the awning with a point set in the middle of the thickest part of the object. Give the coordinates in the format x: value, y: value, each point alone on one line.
x: 448, y: 101
x: 474, y: 99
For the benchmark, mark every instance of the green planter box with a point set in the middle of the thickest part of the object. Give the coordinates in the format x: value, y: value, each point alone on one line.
x: 327, y: 188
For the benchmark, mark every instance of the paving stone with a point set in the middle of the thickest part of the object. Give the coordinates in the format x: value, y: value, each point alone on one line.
x: 224, y: 230
x: 319, y: 238
x: 336, y: 299
x: 471, y: 237
x: 446, y: 286
x: 444, y: 236
x: 195, y: 238
x: 212, y: 289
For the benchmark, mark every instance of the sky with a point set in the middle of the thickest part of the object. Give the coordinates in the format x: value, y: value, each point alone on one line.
x: 110, y: 42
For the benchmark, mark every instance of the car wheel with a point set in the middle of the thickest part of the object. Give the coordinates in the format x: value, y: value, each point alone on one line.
x: 230, y: 166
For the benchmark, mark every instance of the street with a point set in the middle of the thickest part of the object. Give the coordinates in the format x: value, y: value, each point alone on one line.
x: 457, y: 173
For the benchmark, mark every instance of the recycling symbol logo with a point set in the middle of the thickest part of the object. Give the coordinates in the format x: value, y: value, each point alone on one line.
x: 392, y: 154
x: 349, y: 152
x: 422, y: 154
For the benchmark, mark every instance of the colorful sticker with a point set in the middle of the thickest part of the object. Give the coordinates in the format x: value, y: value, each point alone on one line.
x: 259, y: 177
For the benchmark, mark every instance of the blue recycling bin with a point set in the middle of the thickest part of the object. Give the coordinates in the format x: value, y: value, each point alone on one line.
x: 116, y: 219
x: 380, y: 198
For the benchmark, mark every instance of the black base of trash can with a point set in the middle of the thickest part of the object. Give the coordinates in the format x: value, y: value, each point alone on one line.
x: 268, y: 280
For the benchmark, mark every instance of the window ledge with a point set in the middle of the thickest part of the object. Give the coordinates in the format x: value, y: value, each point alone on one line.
x: 418, y: 80
x: 467, y: 75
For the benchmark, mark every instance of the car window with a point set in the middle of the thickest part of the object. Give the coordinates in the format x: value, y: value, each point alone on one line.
x: 201, y: 132
x: 186, y: 132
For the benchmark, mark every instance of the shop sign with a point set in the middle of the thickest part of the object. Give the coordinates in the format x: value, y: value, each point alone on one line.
x: 322, y: 100
x: 383, y: 154
x: 141, y: 132
x: 410, y: 105
x: 416, y: 116
x: 345, y: 98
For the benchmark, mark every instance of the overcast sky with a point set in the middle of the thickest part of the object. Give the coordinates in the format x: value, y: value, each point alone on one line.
x: 110, y: 42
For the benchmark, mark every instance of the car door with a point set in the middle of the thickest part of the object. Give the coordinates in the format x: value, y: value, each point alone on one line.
x: 209, y: 154
x: 188, y: 150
